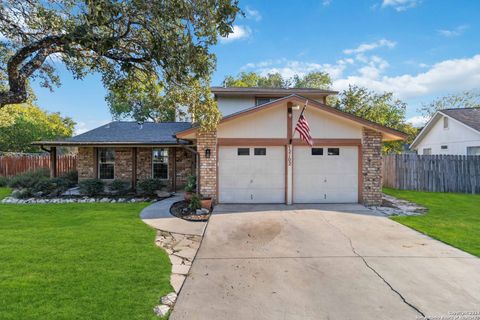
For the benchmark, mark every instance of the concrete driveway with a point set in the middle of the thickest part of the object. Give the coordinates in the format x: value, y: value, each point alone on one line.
x: 323, y: 262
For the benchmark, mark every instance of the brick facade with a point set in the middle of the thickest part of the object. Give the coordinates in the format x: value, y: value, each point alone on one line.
x: 144, y: 163
x: 208, y: 166
x: 123, y: 164
x: 86, y: 166
x: 185, y: 164
x: 372, y: 167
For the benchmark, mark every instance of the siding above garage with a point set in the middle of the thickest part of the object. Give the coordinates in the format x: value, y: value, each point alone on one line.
x: 269, y: 123
x: 326, y: 126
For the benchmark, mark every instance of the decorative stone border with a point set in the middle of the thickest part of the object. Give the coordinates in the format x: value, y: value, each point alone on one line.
x: 181, y: 250
x: 392, y: 206
x: 11, y: 200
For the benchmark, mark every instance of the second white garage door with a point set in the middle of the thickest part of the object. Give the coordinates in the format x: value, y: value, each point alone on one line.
x: 325, y: 175
x: 251, y: 174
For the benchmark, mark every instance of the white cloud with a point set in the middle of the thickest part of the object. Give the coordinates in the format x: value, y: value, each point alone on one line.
x: 417, y: 121
x: 238, y: 33
x: 445, y: 76
x: 364, y: 47
x: 455, y: 32
x: 288, y: 68
x: 252, y: 14
x: 326, y: 2
x: 401, y: 5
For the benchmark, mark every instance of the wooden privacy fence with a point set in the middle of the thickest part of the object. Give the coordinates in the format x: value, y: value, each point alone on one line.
x: 11, y: 165
x: 437, y: 173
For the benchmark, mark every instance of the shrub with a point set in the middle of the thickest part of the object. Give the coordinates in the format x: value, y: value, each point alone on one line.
x: 149, y: 186
x: 52, y: 187
x: 23, y: 193
x: 91, y: 187
x: 120, y: 186
x: 3, y: 181
x: 195, y: 202
x: 28, y: 179
x: 191, y: 185
x: 71, y: 177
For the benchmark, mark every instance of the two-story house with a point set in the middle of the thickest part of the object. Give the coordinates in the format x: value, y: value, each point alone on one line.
x: 254, y: 155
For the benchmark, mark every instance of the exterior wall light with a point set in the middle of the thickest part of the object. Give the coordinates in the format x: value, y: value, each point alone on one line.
x: 207, y: 153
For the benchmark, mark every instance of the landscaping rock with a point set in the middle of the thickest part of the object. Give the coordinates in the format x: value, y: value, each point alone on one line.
x: 161, y: 310
x: 392, y: 206
x: 163, y: 194
x: 169, y: 299
x: 202, y: 211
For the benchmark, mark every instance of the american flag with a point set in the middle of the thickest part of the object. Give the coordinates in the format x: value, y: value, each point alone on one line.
x: 304, y: 129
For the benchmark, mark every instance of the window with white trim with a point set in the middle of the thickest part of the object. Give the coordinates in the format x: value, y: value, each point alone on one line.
x: 262, y: 100
x: 160, y: 163
x: 473, y: 151
x: 427, y: 151
x: 106, y: 163
x: 445, y: 123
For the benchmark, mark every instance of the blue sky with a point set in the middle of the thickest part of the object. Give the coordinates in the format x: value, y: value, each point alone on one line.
x: 418, y: 49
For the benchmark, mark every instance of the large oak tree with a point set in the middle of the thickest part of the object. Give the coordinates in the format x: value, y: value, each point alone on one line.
x: 167, y: 40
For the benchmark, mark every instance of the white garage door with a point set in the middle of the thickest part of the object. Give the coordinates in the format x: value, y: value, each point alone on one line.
x: 251, y: 174
x: 325, y: 175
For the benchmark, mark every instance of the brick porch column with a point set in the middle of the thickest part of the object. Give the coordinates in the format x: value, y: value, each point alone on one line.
x: 208, y: 166
x: 371, y: 167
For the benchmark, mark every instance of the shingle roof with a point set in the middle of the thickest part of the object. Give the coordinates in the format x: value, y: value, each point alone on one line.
x: 127, y: 132
x: 468, y: 116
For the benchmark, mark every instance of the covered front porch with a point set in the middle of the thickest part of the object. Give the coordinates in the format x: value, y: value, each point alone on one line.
x: 172, y: 164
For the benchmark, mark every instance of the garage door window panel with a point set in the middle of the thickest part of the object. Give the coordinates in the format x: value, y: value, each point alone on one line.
x: 243, y: 151
x: 317, y: 151
x: 333, y: 151
x: 260, y: 151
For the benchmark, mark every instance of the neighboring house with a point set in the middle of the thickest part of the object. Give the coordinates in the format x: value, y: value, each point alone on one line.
x: 254, y: 156
x: 450, y: 131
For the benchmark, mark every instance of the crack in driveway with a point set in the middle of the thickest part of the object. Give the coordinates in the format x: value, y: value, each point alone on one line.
x: 371, y: 268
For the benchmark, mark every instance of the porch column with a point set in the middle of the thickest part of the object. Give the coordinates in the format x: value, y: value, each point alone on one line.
x: 371, y: 167
x: 207, y: 156
x: 53, y: 162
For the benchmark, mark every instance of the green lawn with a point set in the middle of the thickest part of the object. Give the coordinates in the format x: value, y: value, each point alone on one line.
x: 452, y: 217
x: 4, y: 192
x: 79, y: 261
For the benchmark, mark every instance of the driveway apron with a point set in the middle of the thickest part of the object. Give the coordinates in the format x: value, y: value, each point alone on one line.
x: 323, y: 262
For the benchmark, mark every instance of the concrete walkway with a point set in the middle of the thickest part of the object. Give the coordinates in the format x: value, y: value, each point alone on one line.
x: 158, y: 216
x: 323, y: 262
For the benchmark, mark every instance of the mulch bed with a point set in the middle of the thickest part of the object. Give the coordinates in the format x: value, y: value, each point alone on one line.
x: 181, y: 210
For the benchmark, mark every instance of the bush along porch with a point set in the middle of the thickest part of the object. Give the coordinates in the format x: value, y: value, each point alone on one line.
x: 141, y: 157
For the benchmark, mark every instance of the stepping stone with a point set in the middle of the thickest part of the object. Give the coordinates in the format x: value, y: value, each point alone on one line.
x: 180, y: 269
x: 187, y: 253
x: 175, y: 260
x: 176, y: 280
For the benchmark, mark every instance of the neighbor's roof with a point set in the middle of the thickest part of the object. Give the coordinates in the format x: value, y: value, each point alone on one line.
x: 269, y: 92
x: 470, y: 117
x: 126, y: 133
